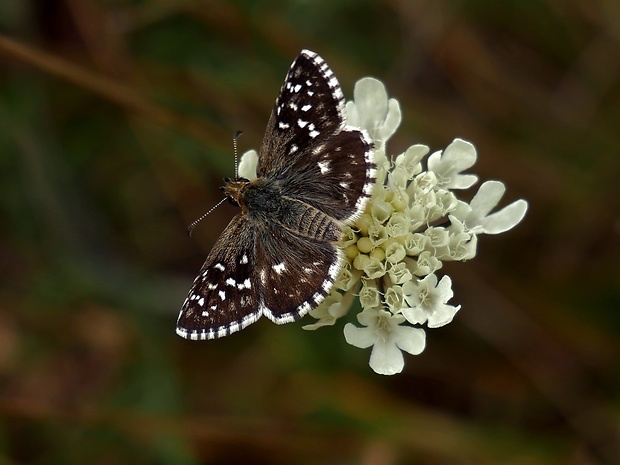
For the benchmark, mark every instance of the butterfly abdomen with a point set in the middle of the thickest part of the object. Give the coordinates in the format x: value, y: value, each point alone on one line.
x: 307, y: 221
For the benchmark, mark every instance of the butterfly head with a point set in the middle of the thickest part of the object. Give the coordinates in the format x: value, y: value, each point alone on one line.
x: 234, y: 189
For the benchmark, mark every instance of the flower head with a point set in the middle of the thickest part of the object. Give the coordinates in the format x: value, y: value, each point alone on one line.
x: 412, y: 224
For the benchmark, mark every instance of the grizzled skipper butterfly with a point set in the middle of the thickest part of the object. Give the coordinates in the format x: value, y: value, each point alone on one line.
x: 279, y: 257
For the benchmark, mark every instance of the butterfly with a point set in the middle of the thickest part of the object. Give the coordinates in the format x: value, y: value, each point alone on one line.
x: 279, y: 257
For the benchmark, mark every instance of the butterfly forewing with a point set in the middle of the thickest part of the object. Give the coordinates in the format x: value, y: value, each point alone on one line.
x: 309, y: 148
x: 224, y: 297
x: 338, y: 176
x: 310, y: 108
x: 312, y: 168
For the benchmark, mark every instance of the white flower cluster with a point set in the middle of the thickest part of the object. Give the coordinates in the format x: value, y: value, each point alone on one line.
x: 413, y: 223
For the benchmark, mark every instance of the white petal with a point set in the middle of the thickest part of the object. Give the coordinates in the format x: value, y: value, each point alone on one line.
x: 462, y: 181
x: 412, y: 156
x: 505, y: 219
x: 430, y: 281
x: 487, y: 197
x: 411, y: 340
x: 371, y: 102
x: 373, y: 111
x: 359, y: 337
x: 386, y: 358
x: 353, y: 117
x: 392, y: 120
x: 442, y: 316
x: 461, y: 212
x: 460, y: 154
x: 415, y: 315
x: 247, y: 165
x: 444, y: 289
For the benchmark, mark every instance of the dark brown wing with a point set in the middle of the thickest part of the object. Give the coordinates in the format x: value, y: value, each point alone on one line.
x: 309, y: 149
x: 295, y: 274
x: 225, y: 295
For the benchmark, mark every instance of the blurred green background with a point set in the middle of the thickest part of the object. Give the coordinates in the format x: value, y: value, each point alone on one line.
x: 116, y: 123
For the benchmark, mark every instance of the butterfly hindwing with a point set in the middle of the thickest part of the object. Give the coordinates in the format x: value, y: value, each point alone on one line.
x: 295, y: 273
x: 224, y: 298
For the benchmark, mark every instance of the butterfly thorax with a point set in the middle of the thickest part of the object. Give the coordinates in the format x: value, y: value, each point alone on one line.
x: 263, y: 203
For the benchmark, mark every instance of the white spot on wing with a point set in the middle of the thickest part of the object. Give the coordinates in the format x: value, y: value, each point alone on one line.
x: 324, y: 166
x: 313, y: 132
x: 318, y: 149
x: 222, y: 295
x: 279, y: 268
x: 219, y: 266
x: 244, y: 285
x: 244, y: 259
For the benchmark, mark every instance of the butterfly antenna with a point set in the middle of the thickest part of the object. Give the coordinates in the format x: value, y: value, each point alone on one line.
x: 193, y: 224
x: 235, y: 137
